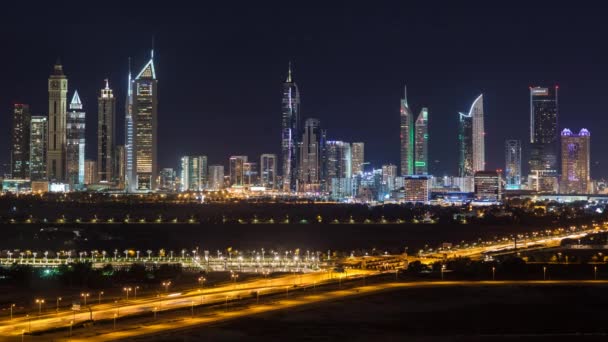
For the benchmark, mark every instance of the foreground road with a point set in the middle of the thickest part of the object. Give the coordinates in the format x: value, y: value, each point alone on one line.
x: 142, y: 329
x: 170, y: 301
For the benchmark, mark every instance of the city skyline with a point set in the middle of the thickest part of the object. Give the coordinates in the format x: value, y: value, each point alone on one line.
x: 506, y: 101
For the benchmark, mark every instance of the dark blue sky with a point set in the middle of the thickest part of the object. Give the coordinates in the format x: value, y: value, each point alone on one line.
x: 220, y: 69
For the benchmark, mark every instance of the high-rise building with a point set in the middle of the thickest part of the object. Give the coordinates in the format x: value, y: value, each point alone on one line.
x: 575, y: 162
x: 56, y: 147
x: 544, y: 133
x: 338, y: 169
x: 417, y: 189
x: 250, y: 173
x: 129, y: 136
x: 421, y: 146
x: 145, y: 115
x: 216, y: 177
x: 290, y: 132
x: 167, y: 179
x: 471, y: 138
x: 120, y: 166
x: 407, y: 137
x: 38, y: 145
x: 20, y: 145
x: 513, y: 164
x: 75, y: 130
x: 389, y: 173
x: 237, y: 170
x: 106, y: 117
x: 194, y: 173
x: 268, y: 170
x: 488, y: 186
x: 309, y: 164
x: 90, y: 172
x: 358, y: 159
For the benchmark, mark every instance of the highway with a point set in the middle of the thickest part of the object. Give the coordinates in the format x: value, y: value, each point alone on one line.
x: 172, y: 300
x: 139, y: 331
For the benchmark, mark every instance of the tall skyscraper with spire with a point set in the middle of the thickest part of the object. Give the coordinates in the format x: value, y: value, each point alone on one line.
x: 75, y: 130
x: 290, y: 132
x: 407, y: 137
x: 56, y: 148
x: 129, y: 130
x: 145, y: 115
x: 421, y: 151
x: 544, y: 134
x: 106, y: 147
x: 471, y: 138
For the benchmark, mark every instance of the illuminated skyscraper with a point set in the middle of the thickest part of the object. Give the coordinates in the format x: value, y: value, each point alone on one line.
x: 237, y: 170
x: 90, y: 172
x: 145, y: 114
x: 471, y: 139
x: 339, y: 169
x: 358, y: 157
x: 407, y: 137
x: 290, y: 132
x: 513, y: 164
x: 75, y: 130
x: 389, y: 173
x: 250, y: 174
x: 310, y: 161
x: 129, y: 136
x: 167, y: 179
x: 268, y: 170
x: 20, y: 145
x: 575, y: 162
x: 38, y: 142
x: 216, y: 177
x: 194, y: 173
x: 417, y: 189
x: 544, y: 133
x: 106, y: 117
x: 56, y: 148
x: 421, y: 151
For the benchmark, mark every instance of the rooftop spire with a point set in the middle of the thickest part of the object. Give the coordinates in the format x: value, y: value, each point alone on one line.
x: 289, y: 73
x: 107, y: 83
x: 152, y: 51
x: 405, y: 94
x: 76, y: 103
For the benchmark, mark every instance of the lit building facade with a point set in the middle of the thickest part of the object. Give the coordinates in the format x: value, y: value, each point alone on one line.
x: 389, y: 173
x: 471, y: 138
x: 488, y: 186
x: 216, y: 177
x: 513, y: 164
x: 544, y: 134
x: 194, y: 173
x: 250, y: 173
x: 575, y: 162
x: 38, y: 145
x: 106, y: 118
x: 120, y: 167
x: 90, y: 172
x: 268, y: 170
x: 407, y: 137
x: 237, y: 170
x: 421, y: 146
x: 358, y: 159
x: 338, y: 169
x: 145, y: 117
x: 129, y: 136
x: 167, y: 179
x: 75, y: 130
x: 20, y: 142
x: 290, y: 132
x: 310, y: 162
x: 56, y: 147
x: 417, y: 188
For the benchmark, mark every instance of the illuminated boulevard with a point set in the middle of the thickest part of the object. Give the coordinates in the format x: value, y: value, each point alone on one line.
x: 111, y: 331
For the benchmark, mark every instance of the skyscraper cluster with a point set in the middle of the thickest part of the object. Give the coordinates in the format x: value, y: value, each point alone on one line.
x: 52, y: 148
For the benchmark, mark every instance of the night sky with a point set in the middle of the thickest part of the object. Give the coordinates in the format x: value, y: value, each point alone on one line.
x: 221, y: 66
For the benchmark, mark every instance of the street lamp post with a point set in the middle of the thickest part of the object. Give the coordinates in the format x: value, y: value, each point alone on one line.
x: 127, y: 290
x: 115, y: 315
x: 39, y: 302
x: 544, y: 272
x: 135, y: 292
x: 155, y: 310
x: 595, y: 272
x: 493, y: 273
x: 57, y: 305
x: 12, y: 306
x: 99, y: 297
x: 166, y: 284
x: 85, y: 295
x: 71, y: 324
x: 442, y: 271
